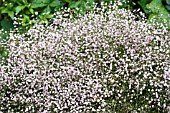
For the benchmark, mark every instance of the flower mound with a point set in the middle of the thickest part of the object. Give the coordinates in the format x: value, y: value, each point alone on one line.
x: 101, y: 62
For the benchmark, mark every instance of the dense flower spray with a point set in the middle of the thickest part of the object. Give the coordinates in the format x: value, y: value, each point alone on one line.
x: 101, y: 62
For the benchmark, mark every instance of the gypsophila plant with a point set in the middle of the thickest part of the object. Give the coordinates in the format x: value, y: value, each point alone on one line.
x: 101, y: 62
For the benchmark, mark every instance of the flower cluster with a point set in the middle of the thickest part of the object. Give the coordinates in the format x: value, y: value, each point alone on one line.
x: 101, y: 62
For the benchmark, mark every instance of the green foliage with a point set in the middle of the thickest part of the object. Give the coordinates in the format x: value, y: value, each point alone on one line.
x: 157, y: 11
x: 6, y: 25
x: 3, y: 51
x: 46, y: 8
x: 82, y: 5
x: 46, y: 5
x: 143, y: 4
x: 3, y: 54
x: 8, y: 9
x: 27, y: 10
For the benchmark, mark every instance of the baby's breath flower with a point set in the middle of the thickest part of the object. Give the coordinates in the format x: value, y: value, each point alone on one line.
x: 98, y: 62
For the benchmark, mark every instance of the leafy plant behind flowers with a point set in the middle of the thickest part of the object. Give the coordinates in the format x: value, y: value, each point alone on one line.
x: 27, y: 10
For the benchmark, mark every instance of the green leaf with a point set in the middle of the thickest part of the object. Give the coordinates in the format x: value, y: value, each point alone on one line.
x: 6, y: 25
x: 167, y: 7
x: 74, y: 4
x: 48, y: 16
x: 23, y: 7
x: 18, y: 9
x: 41, y: 17
x: 27, y: 12
x: 38, y: 5
x: 46, y: 21
x: 18, y: 2
x: 87, y: 7
x: 58, y: 5
x: 25, y: 19
x: 55, y: 3
x: 46, y: 10
x: 157, y: 7
x: 57, y: 8
x: 11, y: 14
x: 143, y: 4
x: 90, y: 1
x: 68, y: 1
x: 159, y: 13
x: 151, y: 16
x: 82, y: 11
x: 41, y: 2
x: 4, y: 36
x: 31, y: 10
x: 46, y: 1
x: 5, y: 10
x: 25, y: 1
x: 4, y: 53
